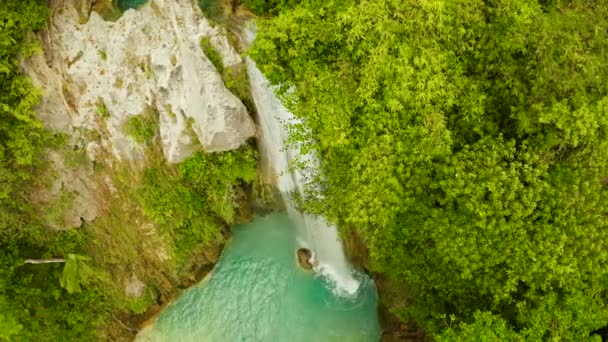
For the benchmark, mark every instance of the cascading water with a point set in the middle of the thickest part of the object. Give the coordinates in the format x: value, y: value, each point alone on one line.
x: 313, y: 232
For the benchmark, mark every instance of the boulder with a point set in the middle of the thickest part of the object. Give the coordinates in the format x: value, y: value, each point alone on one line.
x: 304, y: 258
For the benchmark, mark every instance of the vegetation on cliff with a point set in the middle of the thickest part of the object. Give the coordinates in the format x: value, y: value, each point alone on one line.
x: 466, y: 142
x: 80, y: 292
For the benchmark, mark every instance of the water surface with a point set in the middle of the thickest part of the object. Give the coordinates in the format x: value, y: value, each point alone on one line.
x: 258, y: 293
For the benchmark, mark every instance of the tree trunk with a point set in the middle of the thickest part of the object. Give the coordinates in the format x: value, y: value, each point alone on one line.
x: 43, y: 261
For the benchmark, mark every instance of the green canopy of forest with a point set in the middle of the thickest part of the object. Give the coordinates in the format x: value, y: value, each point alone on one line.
x: 465, y: 141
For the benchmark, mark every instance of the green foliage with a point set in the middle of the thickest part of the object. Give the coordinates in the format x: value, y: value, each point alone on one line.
x: 33, y: 306
x: 269, y: 7
x: 56, y: 210
x: 21, y: 135
x: 33, y: 301
x: 214, y: 57
x: 466, y: 142
x: 9, y: 325
x: 124, y: 5
x: 486, y: 328
x: 73, y: 301
x: 140, y: 305
x: 76, y: 272
x: 188, y: 200
x: 211, y: 8
x: 141, y: 128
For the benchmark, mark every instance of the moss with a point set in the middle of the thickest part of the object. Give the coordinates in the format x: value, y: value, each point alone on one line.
x: 233, y: 39
x: 155, y: 9
x: 141, y: 304
x: 123, y: 242
x: 76, y: 157
x: 170, y: 112
x: 190, y: 131
x: 214, y: 57
x: 146, y: 67
x: 76, y: 58
x: 211, y: 8
x: 140, y: 128
x: 236, y: 80
x: 101, y: 109
x: 56, y: 210
x: 119, y: 82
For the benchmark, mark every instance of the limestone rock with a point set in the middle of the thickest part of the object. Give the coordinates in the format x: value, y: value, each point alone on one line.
x: 96, y: 74
x: 305, y: 258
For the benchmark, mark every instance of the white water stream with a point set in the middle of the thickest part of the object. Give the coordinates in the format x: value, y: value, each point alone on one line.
x: 314, y: 232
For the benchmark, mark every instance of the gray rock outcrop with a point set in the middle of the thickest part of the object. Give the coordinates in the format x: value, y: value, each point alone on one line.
x: 96, y: 74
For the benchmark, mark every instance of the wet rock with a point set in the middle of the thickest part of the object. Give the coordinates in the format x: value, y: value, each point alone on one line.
x: 304, y: 258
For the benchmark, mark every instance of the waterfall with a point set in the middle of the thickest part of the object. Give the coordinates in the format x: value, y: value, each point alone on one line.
x: 313, y: 232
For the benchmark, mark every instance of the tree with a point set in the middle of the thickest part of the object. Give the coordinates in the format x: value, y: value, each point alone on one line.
x: 466, y: 142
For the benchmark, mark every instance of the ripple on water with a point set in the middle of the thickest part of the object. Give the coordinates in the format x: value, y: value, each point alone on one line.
x: 258, y: 293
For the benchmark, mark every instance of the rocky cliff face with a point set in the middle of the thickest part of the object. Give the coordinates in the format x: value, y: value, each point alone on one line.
x: 96, y: 74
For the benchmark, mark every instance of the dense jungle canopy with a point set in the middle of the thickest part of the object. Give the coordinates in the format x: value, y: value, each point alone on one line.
x: 466, y: 143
